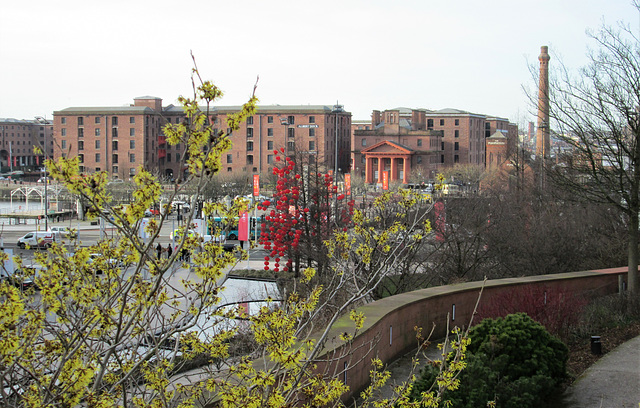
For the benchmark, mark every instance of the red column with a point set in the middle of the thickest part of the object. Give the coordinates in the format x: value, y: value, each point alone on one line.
x: 380, y: 168
x: 369, y: 170
x: 394, y: 169
x: 406, y: 169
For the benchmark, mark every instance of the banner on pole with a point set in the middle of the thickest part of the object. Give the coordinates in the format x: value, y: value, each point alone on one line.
x: 385, y: 180
x: 243, y: 227
x: 256, y: 185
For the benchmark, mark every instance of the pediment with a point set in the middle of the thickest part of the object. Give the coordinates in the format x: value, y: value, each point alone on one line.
x: 387, y: 147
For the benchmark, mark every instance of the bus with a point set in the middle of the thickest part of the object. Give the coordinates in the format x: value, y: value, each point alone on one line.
x: 218, y: 225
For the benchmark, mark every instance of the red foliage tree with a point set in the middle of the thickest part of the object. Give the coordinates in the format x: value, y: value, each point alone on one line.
x: 305, y: 211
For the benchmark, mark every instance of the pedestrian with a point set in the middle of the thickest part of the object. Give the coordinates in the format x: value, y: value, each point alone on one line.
x: 183, y: 254
x: 169, y: 251
x: 159, y: 250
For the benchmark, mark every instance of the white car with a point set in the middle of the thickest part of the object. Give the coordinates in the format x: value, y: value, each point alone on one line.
x: 63, y: 231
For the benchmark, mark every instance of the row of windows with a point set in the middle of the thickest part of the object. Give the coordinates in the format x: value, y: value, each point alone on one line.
x: 98, y: 132
x: 114, y: 158
x: 97, y: 120
x: 97, y: 144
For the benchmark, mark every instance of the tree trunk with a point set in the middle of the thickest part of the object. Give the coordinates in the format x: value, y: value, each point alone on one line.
x: 632, y: 279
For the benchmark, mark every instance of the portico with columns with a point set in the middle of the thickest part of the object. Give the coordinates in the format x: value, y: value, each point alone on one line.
x: 387, y: 156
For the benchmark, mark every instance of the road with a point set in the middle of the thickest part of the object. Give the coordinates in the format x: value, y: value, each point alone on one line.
x: 89, y: 235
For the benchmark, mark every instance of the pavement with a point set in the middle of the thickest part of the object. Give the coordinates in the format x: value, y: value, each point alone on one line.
x: 612, y: 382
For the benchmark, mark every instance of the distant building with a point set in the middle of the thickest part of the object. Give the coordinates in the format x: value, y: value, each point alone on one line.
x: 434, y: 139
x: 120, y: 139
x: 17, y: 141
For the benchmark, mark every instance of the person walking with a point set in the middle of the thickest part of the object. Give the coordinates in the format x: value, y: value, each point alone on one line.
x: 159, y: 250
x: 169, y: 251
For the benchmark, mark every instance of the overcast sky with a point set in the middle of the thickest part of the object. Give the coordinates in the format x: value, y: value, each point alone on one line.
x: 469, y: 55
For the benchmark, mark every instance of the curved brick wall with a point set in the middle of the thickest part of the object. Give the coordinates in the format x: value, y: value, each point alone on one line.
x: 389, y: 326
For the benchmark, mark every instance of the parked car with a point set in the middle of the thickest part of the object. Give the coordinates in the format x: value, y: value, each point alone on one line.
x: 20, y: 278
x: 150, y: 212
x: 37, y: 239
x: 182, y: 205
x: 63, y: 232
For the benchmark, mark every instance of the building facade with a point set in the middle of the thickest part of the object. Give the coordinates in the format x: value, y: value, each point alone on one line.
x: 17, y: 141
x: 437, y: 139
x: 120, y: 139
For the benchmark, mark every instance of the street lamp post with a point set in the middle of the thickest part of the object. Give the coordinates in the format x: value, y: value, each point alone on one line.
x: 336, y: 109
x: 43, y: 121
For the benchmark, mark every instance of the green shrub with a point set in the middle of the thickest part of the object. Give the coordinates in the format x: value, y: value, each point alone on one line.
x: 513, y: 361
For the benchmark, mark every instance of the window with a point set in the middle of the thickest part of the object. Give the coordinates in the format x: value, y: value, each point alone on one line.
x: 312, y: 132
x: 229, y: 170
x: 114, y: 169
x: 97, y: 144
x: 270, y: 145
x: 80, y: 121
x: 81, y: 168
x: 442, y: 158
x: 269, y: 158
x: 291, y: 119
x: 97, y: 157
x: 429, y: 123
x: 114, y: 132
x: 250, y: 120
x: 269, y: 119
x: 63, y: 121
x: 98, y: 169
x: 456, y: 133
x: 442, y: 146
x: 81, y: 157
x: 456, y: 158
x: 80, y: 132
x: 169, y: 158
x: 312, y: 119
x: 132, y: 171
x: 250, y: 159
x: 97, y: 131
x: 63, y: 144
x: 249, y: 132
x: 97, y: 119
x: 80, y: 144
x: 177, y: 157
x: 63, y: 131
x: 114, y: 145
x: 419, y: 142
x: 114, y: 121
x: 292, y: 132
x: 270, y: 132
x: 441, y: 122
x: 132, y: 157
x: 132, y: 132
x: 456, y: 146
x: 312, y: 145
x: 249, y: 146
x: 229, y: 158
x: 132, y: 144
x: 419, y: 159
x: 291, y: 145
x: 364, y: 142
x: 457, y: 122
x: 132, y: 119
x: 114, y: 158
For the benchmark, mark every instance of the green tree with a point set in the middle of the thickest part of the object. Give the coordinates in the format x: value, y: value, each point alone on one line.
x: 512, y: 361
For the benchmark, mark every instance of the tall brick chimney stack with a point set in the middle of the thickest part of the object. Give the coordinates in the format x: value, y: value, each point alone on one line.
x: 543, y: 144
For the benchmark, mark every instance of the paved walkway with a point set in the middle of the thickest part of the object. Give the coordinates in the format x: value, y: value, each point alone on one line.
x: 612, y: 382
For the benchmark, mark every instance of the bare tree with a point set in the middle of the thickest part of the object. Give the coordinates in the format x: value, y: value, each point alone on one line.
x: 596, y: 112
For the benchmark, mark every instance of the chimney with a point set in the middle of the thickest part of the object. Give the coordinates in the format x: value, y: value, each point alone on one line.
x: 542, y: 135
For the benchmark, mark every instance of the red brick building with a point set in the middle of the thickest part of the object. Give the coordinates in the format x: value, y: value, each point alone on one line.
x: 17, y: 140
x: 437, y: 139
x: 120, y: 139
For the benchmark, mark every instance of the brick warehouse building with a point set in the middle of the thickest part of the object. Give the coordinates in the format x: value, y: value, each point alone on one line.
x: 17, y: 140
x: 120, y: 139
x: 428, y: 140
